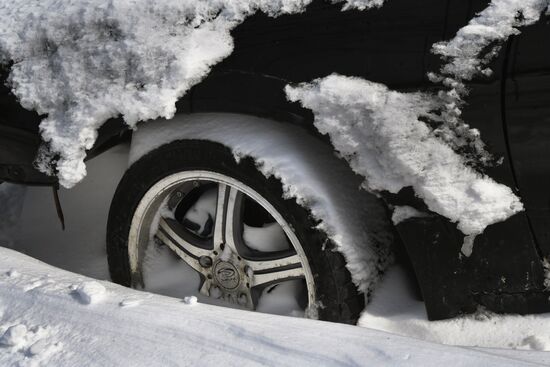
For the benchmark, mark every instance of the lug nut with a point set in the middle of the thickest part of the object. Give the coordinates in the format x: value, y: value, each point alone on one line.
x: 205, y: 261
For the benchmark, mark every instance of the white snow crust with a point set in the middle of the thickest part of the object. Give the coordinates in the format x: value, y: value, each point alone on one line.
x: 81, y: 62
x: 308, y: 171
x: 52, y: 328
x: 381, y: 134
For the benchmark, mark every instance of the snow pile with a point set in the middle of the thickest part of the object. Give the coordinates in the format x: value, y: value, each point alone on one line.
x: 81, y: 62
x: 309, y: 172
x: 59, y: 331
x: 382, y: 135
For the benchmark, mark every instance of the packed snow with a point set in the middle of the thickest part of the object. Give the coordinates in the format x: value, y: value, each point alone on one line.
x: 381, y: 134
x: 310, y: 173
x: 81, y: 62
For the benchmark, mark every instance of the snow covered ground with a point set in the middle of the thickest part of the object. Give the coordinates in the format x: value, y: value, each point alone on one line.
x: 61, y: 329
x: 48, y: 320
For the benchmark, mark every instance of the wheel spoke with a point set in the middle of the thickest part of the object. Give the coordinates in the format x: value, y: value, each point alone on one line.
x: 186, y: 251
x: 205, y: 287
x: 171, y: 228
x: 227, y: 227
x: 277, y: 276
x: 278, y: 270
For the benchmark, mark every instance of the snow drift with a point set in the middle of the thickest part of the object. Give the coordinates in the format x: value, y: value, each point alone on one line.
x: 81, y: 62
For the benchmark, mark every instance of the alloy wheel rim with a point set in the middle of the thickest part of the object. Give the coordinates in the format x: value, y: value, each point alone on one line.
x: 226, y: 269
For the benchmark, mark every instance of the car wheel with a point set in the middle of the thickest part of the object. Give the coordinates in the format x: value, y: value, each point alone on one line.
x: 243, y: 244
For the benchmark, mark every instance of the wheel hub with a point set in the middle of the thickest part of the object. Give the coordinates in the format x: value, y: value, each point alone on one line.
x: 226, y: 275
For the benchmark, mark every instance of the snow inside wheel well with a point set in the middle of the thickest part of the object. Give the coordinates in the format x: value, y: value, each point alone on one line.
x: 356, y: 221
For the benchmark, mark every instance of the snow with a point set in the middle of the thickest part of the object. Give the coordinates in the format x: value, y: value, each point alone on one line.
x: 354, y: 220
x: 395, y: 309
x: 161, y: 331
x: 468, y: 245
x: 381, y: 134
x: 403, y: 212
x: 270, y: 237
x: 468, y: 55
x: 362, y: 4
x: 81, y: 62
x: 14, y: 336
x: 90, y: 292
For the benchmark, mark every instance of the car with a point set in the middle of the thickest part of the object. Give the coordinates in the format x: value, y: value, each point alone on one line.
x: 174, y: 192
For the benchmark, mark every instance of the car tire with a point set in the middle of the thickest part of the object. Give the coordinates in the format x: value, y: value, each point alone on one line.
x: 336, y: 297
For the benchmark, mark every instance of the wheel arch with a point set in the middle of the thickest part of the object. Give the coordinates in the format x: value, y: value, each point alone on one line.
x: 354, y: 220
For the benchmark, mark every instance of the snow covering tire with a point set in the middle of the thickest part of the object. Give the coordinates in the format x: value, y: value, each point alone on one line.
x: 336, y: 296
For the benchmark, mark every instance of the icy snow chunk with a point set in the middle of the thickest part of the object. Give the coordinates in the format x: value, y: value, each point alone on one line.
x: 90, y: 292
x: 190, y: 300
x: 402, y: 213
x: 14, y: 336
x: 468, y: 245
x: 382, y: 136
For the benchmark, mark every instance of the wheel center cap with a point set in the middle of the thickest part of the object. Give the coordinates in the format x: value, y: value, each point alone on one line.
x: 227, y: 275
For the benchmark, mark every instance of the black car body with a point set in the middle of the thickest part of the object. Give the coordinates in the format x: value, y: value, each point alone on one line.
x: 390, y: 45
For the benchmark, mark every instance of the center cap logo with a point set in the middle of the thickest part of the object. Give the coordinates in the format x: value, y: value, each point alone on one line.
x: 227, y: 275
